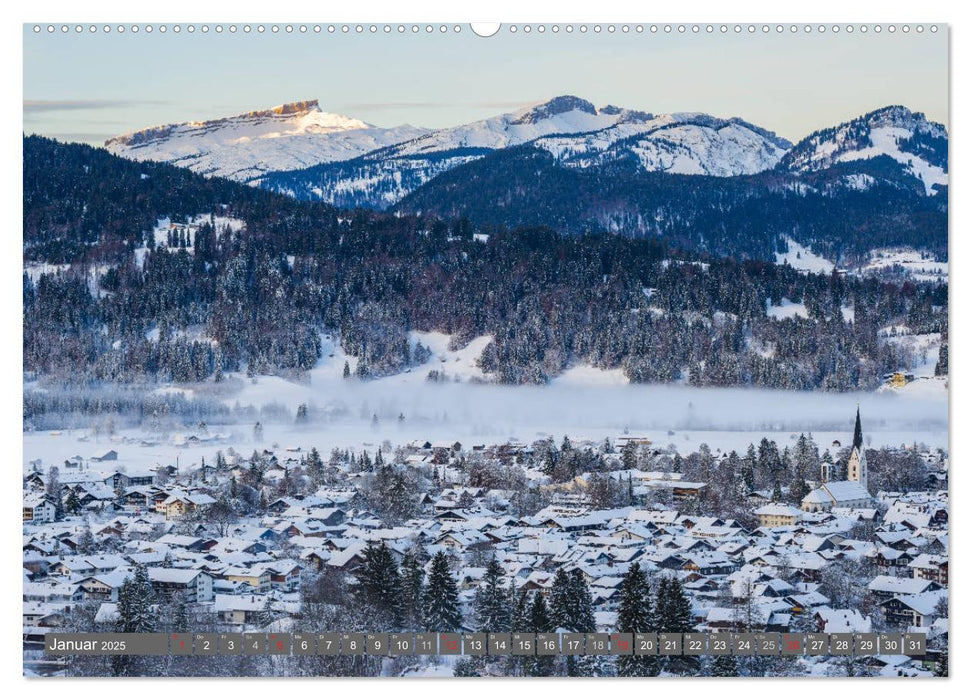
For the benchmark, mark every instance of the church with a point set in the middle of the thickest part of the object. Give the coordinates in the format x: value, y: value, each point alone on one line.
x: 851, y: 492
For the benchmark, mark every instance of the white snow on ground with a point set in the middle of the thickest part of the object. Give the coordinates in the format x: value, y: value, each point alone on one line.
x: 920, y: 266
x: 786, y: 309
x: 922, y: 348
x: 326, y: 379
x: 36, y: 270
x: 587, y: 375
x: 461, y: 364
x: 94, y: 272
x: 884, y: 142
x: 922, y: 387
x: 192, y: 333
x: 792, y: 309
x: 802, y: 258
x: 583, y: 403
x: 859, y: 181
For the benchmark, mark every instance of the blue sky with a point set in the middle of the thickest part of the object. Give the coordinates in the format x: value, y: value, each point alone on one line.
x: 86, y: 87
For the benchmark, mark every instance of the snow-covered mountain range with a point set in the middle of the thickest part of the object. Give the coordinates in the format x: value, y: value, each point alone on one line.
x: 576, y: 132
x: 299, y: 150
x: 245, y: 146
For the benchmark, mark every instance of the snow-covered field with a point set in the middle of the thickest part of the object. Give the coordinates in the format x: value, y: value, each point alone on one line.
x: 917, y: 265
x: 802, y: 258
x: 786, y: 309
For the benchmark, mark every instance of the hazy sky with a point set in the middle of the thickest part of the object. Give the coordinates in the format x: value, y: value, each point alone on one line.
x: 89, y: 87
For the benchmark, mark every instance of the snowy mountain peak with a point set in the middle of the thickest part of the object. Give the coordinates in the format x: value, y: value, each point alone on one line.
x: 245, y: 146
x: 550, y: 108
x: 907, y: 137
x: 901, y: 117
x: 296, y: 107
x: 292, y: 117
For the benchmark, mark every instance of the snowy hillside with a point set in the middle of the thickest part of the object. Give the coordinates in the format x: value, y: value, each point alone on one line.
x: 290, y: 136
x: 685, y: 144
x: 906, y: 137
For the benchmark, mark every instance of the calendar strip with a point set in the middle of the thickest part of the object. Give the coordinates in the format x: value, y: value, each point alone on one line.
x: 495, y: 644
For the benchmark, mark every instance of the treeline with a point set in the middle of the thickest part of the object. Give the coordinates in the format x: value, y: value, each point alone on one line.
x: 84, y: 406
x: 258, y: 299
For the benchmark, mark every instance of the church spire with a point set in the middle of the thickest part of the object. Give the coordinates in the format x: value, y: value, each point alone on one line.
x: 858, y: 431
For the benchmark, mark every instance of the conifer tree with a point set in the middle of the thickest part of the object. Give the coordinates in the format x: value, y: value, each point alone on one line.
x: 137, y: 609
x: 266, y: 614
x: 180, y: 615
x: 724, y: 666
x: 674, y: 615
x: 379, y: 587
x: 442, y: 612
x: 539, y: 618
x: 748, y: 468
x: 412, y: 591
x: 635, y: 614
x: 677, y: 464
x: 628, y: 455
x: 315, y: 465
x: 673, y: 607
x: 491, y: 601
x: 71, y: 503
x: 560, y: 602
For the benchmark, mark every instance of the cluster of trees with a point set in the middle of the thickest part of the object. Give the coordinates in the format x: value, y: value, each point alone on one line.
x: 403, y: 598
x: 258, y: 299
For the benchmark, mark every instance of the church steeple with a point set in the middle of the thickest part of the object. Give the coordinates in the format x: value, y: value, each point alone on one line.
x: 858, y: 431
x: 856, y: 465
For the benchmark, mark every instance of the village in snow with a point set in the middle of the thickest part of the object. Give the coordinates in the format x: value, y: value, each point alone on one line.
x: 827, y: 538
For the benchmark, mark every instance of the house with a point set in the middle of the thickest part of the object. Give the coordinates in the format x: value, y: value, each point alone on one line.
x: 181, y: 504
x: 885, y: 587
x: 709, y: 563
x: 349, y: 559
x: 284, y: 574
x: 256, y: 578
x: 683, y: 490
x: 778, y: 515
x: 239, y: 609
x: 836, y: 621
x: 38, y: 508
x: 930, y: 567
x: 105, y: 587
x: 919, y: 610
x: 194, y: 584
x: 52, y: 591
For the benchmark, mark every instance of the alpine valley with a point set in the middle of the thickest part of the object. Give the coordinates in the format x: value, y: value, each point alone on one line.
x: 559, y: 238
